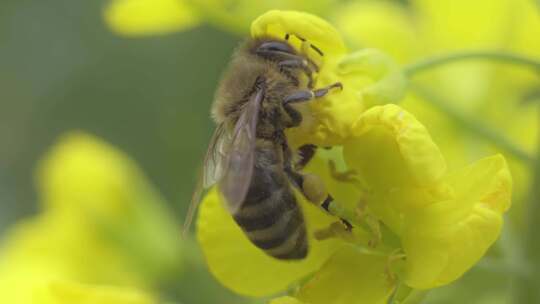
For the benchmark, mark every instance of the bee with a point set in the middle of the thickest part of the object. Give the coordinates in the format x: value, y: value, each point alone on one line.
x: 249, y: 157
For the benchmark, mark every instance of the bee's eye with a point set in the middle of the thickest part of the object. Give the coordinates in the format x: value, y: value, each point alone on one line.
x: 275, y: 46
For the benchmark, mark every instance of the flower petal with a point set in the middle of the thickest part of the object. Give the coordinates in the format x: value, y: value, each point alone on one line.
x: 286, y: 300
x: 82, y: 172
x: 55, y: 247
x: 384, y: 25
x: 387, y: 79
x: 149, y: 17
x: 317, y: 31
x: 105, y: 194
x: 447, y: 23
x: 70, y: 292
x: 390, y: 149
x: 244, y: 268
x: 445, y: 239
x: 349, y: 276
x: 398, y: 162
x: 236, y: 16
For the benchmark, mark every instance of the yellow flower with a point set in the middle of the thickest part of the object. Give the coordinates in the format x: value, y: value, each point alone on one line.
x: 140, y: 17
x: 436, y: 223
x: 285, y: 300
x: 69, y: 292
x: 101, y: 223
x: 150, y: 17
x: 100, y: 188
x: 488, y: 93
x: 446, y: 220
x: 368, y: 76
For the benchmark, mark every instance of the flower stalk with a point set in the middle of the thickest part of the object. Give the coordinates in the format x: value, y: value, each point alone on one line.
x: 494, y: 56
x: 527, y: 286
x: 460, y: 118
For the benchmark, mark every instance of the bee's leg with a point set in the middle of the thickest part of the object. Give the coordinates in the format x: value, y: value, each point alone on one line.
x: 313, y: 188
x: 306, y: 153
x: 307, y: 95
x: 303, y: 96
x: 296, y: 117
x: 349, y: 176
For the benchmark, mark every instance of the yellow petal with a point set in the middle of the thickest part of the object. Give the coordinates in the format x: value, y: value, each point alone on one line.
x: 54, y: 247
x: 70, y: 292
x: 447, y: 24
x: 237, y: 17
x: 286, y: 300
x: 104, y: 193
x: 390, y: 149
x: 384, y: 25
x: 149, y: 17
x: 398, y: 162
x: 349, y: 276
x: 387, y: 79
x: 527, y: 29
x: 61, y: 246
x: 86, y: 173
x: 445, y: 239
x: 369, y: 77
x: 244, y: 268
x: 316, y: 30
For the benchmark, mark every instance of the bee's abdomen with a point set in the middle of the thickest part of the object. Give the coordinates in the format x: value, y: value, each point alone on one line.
x: 271, y: 217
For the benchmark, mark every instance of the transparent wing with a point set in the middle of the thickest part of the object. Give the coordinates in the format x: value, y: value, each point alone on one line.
x: 216, y: 157
x: 240, y: 160
x: 212, y: 171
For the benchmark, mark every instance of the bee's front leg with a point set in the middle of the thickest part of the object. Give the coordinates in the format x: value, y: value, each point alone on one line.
x: 306, y: 153
x: 303, y: 96
x: 307, y: 95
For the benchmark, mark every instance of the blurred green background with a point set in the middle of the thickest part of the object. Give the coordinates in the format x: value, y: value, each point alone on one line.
x: 62, y: 69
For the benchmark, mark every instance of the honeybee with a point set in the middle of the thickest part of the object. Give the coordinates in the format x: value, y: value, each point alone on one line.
x: 249, y: 157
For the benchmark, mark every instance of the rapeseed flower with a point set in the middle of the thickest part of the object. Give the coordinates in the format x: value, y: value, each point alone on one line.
x: 435, y: 223
x: 151, y: 17
x: 409, y: 33
x: 69, y: 292
x: 489, y: 94
x: 103, y: 234
x: 436, y: 214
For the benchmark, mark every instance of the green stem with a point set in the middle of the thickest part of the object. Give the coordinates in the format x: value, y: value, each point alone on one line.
x: 495, y: 56
x: 527, y: 290
x: 471, y: 124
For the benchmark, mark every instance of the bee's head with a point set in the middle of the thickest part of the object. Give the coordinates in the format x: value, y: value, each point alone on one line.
x: 282, y: 52
x: 274, y: 49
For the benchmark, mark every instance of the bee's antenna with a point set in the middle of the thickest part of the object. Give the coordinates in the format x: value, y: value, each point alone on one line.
x: 316, y: 49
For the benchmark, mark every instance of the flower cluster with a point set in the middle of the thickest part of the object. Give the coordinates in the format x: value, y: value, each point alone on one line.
x: 103, y: 236
x: 429, y: 224
x: 429, y: 213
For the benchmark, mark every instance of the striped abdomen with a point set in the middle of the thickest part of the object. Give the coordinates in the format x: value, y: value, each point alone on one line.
x: 270, y: 215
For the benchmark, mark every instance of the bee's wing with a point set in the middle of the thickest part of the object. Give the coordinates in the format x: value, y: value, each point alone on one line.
x: 212, y: 171
x: 216, y: 157
x: 241, y: 155
x: 229, y: 160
